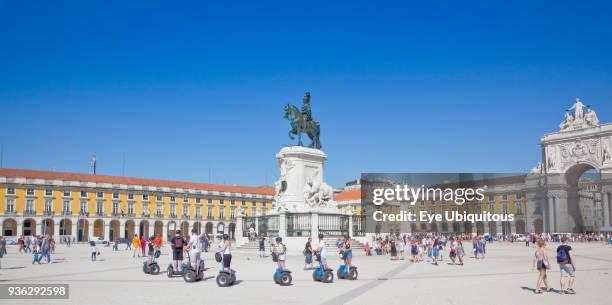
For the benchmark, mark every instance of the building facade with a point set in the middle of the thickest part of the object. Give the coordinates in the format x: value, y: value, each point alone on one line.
x: 505, y: 196
x: 89, y: 207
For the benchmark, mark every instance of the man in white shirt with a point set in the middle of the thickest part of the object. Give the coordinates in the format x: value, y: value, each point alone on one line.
x: 195, y: 247
x: 322, y: 251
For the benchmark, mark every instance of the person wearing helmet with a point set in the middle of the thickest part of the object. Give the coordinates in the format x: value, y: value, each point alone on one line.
x: 177, y: 243
x: 224, y: 250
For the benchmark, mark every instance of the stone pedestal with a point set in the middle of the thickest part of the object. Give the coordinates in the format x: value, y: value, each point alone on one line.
x: 301, y: 173
x: 238, y: 233
x: 314, y: 225
x: 282, y: 223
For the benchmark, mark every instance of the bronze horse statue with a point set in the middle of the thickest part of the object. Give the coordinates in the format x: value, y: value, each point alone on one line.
x: 300, y: 123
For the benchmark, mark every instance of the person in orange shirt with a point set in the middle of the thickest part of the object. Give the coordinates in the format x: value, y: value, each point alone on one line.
x: 158, y: 241
x: 136, y: 244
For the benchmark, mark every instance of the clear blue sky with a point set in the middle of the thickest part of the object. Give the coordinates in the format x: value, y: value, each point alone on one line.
x: 185, y: 89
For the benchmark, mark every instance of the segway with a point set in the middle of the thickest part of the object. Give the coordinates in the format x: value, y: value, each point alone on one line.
x: 225, y: 277
x: 152, y: 267
x: 190, y: 274
x: 184, y: 266
x: 345, y: 274
x: 322, y: 275
x: 281, y: 277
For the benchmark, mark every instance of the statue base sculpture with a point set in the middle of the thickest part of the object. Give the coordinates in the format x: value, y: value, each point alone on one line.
x: 300, y: 187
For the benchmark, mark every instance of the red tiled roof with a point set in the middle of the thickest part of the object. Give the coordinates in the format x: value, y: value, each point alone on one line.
x: 38, y: 174
x: 348, y: 195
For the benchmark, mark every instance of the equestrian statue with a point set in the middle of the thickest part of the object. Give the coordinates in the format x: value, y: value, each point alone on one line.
x: 301, y: 121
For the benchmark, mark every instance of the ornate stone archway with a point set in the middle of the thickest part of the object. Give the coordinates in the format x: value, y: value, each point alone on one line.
x: 581, y: 144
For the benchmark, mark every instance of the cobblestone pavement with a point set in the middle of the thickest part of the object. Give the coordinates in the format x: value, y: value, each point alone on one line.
x: 503, y: 277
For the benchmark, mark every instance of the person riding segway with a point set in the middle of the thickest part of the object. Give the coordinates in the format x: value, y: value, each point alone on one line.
x: 347, y: 271
x: 177, y: 243
x: 195, y: 272
x: 150, y: 266
x: 226, y: 276
x: 282, y: 275
x: 322, y: 273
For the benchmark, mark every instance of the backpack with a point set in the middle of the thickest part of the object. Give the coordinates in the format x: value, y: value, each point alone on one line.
x: 178, y: 243
x: 196, y: 245
x: 562, y: 255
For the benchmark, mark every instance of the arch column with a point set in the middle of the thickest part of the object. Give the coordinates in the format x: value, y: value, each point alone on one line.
x: 165, y: 230
x: 106, y: 229
x: 552, y: 226
x: 499, y: 227
x: 74, y: 224
x: 56, y: 223
x: 561, y: 213
x: 19, y: 227
x: 532, y: 199
x: 39, y: 226
x: 90, y: 229
x: 606, y: 208
x: 122, y: 229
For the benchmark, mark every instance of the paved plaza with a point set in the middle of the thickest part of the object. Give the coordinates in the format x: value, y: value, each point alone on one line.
x: 504, y: 277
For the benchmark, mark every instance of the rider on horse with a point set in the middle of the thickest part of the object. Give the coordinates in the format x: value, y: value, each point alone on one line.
x: 306, y: 111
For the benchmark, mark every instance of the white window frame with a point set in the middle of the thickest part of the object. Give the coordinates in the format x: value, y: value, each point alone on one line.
x: 30, y: 191
x: 518, y: 207
x: 100, y: 207
x: 48, y: 205
x: 83, y: 207
x: 10, y: 191
x: 10, y: 205
x: 30, y: 206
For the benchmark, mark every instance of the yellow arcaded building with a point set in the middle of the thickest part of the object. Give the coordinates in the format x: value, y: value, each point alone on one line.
x: 87, y: 206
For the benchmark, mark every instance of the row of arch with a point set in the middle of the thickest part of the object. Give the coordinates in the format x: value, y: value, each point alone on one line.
x: 9, y: 228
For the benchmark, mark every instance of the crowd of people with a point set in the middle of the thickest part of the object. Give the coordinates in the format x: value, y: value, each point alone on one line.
x: 432, y: 248
x: 40, y: 246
